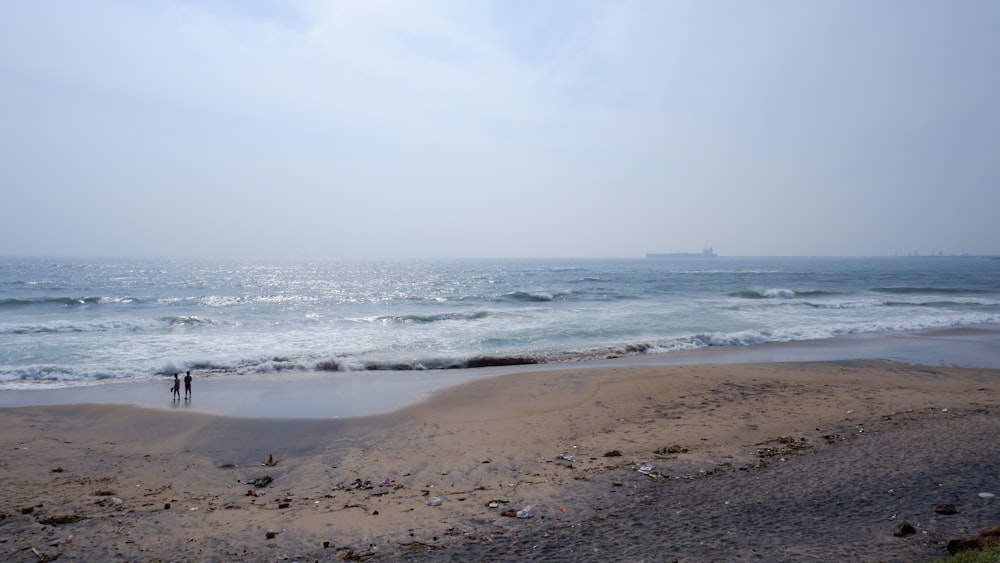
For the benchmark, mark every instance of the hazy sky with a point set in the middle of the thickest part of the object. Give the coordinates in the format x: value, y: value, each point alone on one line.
x: 379, y: 129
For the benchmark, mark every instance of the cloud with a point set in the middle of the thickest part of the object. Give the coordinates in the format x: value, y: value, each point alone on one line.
x: 507, y: 128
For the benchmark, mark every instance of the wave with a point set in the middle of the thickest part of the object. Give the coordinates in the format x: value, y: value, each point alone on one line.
x: 751, y: 337
x: 68, y: 327
x: 816, y: 293
x: 64, y: 301
x: 773, y: 293
x: 532, y: 296
x: 187, y: 321
x: 926, y: 290
x: 106, y: 325
x: 942, y: 303
x: 46, y: 376
x: 418, y: 319
x: 546, y: 296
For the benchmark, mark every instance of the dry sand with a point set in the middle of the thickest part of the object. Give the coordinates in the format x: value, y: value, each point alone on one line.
x: 762, y: 462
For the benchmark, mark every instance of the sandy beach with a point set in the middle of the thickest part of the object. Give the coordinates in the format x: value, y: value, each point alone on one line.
x: 768, y: 462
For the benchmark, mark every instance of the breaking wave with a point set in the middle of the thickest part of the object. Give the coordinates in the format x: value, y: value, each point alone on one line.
x: 529, y: 296
x: 773, y: 293
x: 464, y: 316
x: 65, y: 302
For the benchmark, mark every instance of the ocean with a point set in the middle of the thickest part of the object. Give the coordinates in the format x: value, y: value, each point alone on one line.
x: 71, y: 322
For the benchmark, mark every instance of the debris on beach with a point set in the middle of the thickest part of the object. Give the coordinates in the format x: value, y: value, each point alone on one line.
x: 986, y: 495
x: 63, y: 519
x: 526, y: 512
x: 569, y: 458
x: 43, y: 557
x: 362, y: 485
x: 434, y: 501
x: 359, y: 555
x: 649, y: 470
x: 261, y: 482
x: 391, y: 483
x: 270, y: 461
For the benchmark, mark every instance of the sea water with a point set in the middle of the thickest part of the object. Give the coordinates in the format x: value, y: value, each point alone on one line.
x: 66, y: 322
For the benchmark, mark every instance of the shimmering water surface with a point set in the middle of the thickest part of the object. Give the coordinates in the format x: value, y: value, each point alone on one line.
x: 65, y: 322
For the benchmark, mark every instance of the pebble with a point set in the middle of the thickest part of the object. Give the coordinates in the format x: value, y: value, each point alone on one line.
x: 986, y: 495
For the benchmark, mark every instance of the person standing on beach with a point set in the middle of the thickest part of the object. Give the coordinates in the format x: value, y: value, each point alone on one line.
x: 177, y: 387
x: 187, y: 385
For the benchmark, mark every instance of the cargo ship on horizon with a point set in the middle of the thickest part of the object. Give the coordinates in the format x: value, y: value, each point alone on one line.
x: 707, y: 252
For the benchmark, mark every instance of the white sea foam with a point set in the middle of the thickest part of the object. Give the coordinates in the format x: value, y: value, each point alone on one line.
x: 238, y: 318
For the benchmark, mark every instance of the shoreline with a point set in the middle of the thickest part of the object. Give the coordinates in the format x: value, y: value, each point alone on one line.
x: 365, y: 393
x: 775, y: 461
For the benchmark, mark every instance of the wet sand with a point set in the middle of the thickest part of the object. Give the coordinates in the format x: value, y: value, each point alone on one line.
x: 765, y: 462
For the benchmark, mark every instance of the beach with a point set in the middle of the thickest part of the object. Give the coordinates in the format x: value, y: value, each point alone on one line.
x: 787, y: 461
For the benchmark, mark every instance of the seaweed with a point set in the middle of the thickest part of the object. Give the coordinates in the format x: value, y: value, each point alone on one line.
x: 61, y: 519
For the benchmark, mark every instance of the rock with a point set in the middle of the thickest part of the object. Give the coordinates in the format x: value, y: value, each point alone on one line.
x: 270, y: 534
x: 946, y: 509
x: 903, y: 529
x: 987, y: 536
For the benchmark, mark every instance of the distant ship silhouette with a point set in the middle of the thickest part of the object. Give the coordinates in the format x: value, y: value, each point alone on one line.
x: 706, y: 252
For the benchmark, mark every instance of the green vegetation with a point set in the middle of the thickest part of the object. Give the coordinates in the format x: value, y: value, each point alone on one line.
x: 990, y: 554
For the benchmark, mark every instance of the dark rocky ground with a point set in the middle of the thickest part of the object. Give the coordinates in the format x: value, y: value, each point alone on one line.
x: 839, y: 500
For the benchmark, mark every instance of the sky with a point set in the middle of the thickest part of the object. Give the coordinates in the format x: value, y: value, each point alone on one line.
x: 508, y: 128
